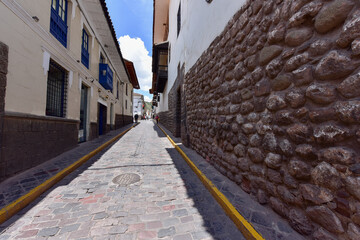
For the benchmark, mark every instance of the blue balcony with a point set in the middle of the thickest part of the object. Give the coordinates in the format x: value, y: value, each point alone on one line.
x: 105, y: 76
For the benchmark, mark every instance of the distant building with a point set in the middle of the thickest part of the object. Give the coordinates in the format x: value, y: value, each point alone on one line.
x: 134, y: 81
x: 139, y: 105
x: 63, y: 79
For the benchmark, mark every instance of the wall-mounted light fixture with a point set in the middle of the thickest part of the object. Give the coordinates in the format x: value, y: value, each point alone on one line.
x: 208, y: 1
x: 122, y: 83
x: 36, y: 19
x: 99, y: 89
x: 106, y: 46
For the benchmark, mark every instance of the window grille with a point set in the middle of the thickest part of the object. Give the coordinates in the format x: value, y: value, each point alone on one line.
x: 56, y: 94
x: 58, y: 20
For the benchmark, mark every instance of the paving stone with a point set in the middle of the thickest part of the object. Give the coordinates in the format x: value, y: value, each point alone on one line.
x: 70, y: 228
x: 118, y: 229
x: 180, y: 213
x: 166, y: 232
x: 48, y: 232
x: 100, y: 215
x: 183, y: 237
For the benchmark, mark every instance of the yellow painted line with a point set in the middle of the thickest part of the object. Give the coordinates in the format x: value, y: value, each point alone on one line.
x: 244, y: 226
x: 10, y: 210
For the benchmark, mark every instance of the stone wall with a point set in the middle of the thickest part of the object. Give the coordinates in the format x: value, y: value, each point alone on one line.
x: 122, y: 120
x: 94, y: 131
x: 28, y: 140
x: 167, y: 119
x: 274, y: 104
x: 4, y: 52
x: 175, y: 119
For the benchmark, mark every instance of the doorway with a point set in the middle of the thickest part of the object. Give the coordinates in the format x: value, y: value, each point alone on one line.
x: 83, y: 113
x: 112, y: 127
x: 178, y: 114
x: 102, y: 112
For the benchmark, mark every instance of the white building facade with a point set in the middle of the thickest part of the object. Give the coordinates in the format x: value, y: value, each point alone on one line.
x: 66, y: 80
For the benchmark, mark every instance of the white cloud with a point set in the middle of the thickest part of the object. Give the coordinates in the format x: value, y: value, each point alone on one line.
x: 147, y: 99
x: 133, y: 49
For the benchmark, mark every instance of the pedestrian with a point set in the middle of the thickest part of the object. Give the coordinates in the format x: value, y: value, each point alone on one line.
x: 157, y: 118
x: 136, y: 117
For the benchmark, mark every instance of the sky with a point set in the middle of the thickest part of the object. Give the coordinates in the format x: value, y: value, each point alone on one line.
x: 132, y: 20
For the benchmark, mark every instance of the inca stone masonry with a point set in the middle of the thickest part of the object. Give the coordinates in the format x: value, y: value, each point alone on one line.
x: 274, y: 104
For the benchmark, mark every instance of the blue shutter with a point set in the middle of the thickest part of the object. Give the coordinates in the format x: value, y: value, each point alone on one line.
x: 85, y: 49
x: 106, y: 76
x: 58, y: 20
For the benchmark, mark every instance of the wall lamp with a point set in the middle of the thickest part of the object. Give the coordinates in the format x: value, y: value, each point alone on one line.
x: 36, y: 19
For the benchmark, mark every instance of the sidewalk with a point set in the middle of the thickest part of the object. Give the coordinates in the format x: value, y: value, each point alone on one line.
x: 159, y: 197
x: 18, y: 185
x: 265, y: 221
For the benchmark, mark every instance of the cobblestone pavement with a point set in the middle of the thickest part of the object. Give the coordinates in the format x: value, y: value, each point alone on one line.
x: 169, y: 201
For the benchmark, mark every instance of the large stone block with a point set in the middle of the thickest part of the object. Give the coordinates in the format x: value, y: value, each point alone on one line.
x: 269, y: 53
x: 334, y: 66
x: 350, y: 31
x: 326, y: 176
x: 349, y: 88
x: 326, y: 218
x: 297, y: 37
x: 300, y: 222
x: 332, y: 15
x: 321, y: 93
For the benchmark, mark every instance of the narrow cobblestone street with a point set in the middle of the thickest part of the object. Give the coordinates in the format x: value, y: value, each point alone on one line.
x: 168, y: 202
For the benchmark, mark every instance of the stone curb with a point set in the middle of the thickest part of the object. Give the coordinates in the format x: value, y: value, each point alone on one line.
x: 10, y: 210
x: 244, y: 226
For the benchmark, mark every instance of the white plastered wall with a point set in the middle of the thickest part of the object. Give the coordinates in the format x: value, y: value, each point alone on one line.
x: 31, y: 43
x: 201, y: 23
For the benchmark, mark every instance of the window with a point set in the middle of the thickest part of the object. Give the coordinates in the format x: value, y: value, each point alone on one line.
x: 126, y: 88
x: 169, y: 52
x: 179, y: 19
x: 85, y: 49
x: 56, y: 91
x: 117, y: 90
x: 58, y: 20
x: 125, y: 104
x: 102, y: 59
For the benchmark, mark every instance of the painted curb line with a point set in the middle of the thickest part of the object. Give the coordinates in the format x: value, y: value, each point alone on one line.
x: 11, y: 209
x: 244, y: 226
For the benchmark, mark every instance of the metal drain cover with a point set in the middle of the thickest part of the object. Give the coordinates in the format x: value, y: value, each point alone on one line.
x: 126, y: 179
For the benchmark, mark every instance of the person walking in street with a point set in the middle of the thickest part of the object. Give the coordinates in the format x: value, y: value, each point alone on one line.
x: 157, y: 118
x: 136, y: 117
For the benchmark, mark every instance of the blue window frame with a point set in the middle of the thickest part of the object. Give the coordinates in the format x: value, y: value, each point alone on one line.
x: 106, y: 76
x: 58, y: 20
x: 85, y: 49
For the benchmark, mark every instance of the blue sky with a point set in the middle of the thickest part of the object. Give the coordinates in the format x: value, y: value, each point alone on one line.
x: 132, y: 20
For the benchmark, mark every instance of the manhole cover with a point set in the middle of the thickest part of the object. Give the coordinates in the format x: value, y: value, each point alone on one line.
x: 126, y: 179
